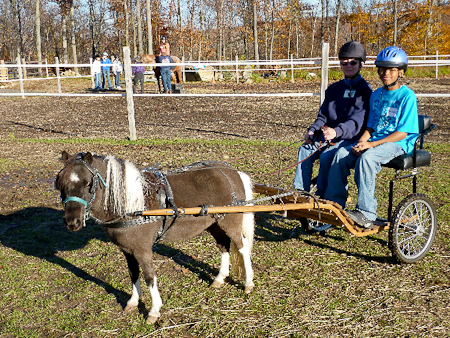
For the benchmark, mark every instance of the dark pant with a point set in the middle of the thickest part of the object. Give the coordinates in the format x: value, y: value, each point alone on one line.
x: 138, y: 77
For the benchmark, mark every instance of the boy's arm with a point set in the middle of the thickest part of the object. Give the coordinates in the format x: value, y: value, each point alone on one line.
x: 363, y: 143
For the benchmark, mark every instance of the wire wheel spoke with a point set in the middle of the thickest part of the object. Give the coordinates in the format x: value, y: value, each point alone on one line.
x: 413, y: 229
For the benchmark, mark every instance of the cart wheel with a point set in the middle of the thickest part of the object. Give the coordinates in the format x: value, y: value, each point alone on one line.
x: 413, y: 228
x: 314, y: 227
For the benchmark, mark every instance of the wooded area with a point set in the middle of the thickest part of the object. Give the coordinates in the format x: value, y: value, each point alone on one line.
x: 74, y: 31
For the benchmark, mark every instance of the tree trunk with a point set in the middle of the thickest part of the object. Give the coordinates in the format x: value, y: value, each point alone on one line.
x: 201, y: 31
x: 127, y: 23
x: 38, y: 35
x: 255, y: 30
x: 322, y: 23
x: 139, y: 27
x: 64, y: 38
x: 394, y: 37
x: 336, y: 31
x: 272, y: 33
x: 72, y: 35
x: 149, y: 29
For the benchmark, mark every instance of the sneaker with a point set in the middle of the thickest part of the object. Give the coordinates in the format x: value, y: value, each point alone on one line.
x: 119, y: 88
x: 359, y: 218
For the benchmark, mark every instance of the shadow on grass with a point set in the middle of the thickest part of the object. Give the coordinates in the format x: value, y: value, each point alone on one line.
x: 39, y: 232
x: 270, y: 228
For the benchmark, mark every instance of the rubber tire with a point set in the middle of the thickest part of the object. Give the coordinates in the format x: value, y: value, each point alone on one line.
x: 419, y: 208
x: 315, y: 227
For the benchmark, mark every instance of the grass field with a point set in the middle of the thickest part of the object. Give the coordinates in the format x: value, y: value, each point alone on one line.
x: 54, y: 283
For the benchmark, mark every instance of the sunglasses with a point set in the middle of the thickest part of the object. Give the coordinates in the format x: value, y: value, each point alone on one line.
x: 345, y: 63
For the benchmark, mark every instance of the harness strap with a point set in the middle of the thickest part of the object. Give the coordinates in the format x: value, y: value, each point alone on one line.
x: 75, y: 199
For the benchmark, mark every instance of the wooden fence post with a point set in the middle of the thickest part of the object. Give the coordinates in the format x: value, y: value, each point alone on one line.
x: 19, y: 70
x: 92, y: 74
x: 183, y: 69
x: 237, y: 69
x: 292, y: 68
x: 129, y: 92
x: 57, y: 75
x: 24, y: 62
x: 436, y: 70
x: 324, y: 70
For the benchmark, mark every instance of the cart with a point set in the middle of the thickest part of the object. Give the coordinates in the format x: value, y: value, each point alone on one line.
x: 412, y: 225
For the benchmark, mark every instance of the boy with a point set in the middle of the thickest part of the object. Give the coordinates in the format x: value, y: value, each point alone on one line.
x: 392, y: 129
x: 341, y: 119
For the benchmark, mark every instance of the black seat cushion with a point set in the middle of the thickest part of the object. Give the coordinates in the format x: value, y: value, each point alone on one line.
x: 404, y: 162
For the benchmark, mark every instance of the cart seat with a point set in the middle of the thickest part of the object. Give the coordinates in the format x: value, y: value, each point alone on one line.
x: 419, y: 157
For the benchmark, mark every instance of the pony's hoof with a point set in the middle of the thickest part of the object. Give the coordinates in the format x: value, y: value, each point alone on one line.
x: 216, y: 284
x: 151, y: 319
x: 248, y: 289
x: 130, y: 308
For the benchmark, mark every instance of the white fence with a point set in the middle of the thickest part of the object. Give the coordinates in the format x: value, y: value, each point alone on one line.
x: 289, y: 66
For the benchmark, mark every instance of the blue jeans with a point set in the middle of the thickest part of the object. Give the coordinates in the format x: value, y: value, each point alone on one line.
x: 98, y: 81
x: 106, y: 74
x: 117, y: 82
x: 367, y: 166
x: 303, y: 174
x: 165, y: 77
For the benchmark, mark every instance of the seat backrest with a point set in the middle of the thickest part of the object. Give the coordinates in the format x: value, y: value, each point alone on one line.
x: 424, y: 123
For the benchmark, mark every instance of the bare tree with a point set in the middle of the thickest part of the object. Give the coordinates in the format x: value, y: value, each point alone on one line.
x: 37, y: 20
x: 149, y: 28
x: 336, y: 30
x: 255, y: 29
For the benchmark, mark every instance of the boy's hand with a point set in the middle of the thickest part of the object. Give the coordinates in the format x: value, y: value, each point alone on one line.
x: 361, y: 147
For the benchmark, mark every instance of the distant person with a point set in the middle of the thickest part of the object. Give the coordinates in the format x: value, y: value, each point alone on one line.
x: 165, y: 72
x: 117, y: 70
x: 392, y: 128
x: 138, y: 74
x: 106, y: 70
x: 340, y: 121
x: 97, y: 71
x: 164, y: 47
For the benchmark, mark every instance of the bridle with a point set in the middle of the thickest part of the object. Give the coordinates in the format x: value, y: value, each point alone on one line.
x: 96, y: 178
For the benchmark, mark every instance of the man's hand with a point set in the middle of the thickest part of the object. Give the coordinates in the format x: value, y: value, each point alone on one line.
x: 309, y: 137
x: 329, y: 133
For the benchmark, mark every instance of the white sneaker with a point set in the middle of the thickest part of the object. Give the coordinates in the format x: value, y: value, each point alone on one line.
x: 119, y: 88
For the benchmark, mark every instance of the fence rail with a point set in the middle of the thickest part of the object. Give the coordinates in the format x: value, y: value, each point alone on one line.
x: 237, y: 66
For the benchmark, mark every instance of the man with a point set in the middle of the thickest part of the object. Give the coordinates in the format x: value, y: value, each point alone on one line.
x: 340, y: 120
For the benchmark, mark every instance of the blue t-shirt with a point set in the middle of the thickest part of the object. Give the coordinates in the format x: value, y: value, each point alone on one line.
x: 394, y: 110
x: 105, y: 63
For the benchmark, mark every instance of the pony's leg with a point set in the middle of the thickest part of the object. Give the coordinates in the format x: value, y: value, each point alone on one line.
x: 146, y: 263
x: 223, y: 243
x: 154, y: 314
x: 224, y: 270
x: 133, y: 269
x: 245, y: 252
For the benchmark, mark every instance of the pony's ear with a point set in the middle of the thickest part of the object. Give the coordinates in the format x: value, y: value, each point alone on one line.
x: 88, y: 158
x: 65, y: 156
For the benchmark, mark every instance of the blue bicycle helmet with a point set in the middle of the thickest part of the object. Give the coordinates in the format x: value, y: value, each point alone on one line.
x: 391, y: 57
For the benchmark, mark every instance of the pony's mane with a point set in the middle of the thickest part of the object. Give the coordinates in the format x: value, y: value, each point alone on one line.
x: 126, y: 186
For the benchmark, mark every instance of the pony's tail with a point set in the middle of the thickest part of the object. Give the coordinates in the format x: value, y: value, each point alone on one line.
x: 248, y: 229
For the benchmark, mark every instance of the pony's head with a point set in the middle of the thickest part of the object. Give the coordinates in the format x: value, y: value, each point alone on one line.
x: 77, y: 182
x: 84, y: 191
